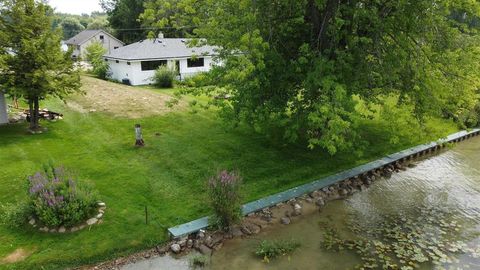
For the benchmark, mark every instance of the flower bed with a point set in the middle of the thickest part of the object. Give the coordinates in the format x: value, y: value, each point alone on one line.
x: 58, y: 202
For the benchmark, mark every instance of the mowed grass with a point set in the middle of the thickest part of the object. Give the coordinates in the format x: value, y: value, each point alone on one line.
x: 168, y: 176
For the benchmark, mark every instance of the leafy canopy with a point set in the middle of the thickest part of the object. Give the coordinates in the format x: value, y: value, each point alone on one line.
x: 34, y: 67
x: 293, y: 67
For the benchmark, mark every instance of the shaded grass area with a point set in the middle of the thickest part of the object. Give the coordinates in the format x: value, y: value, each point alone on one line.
x: 168, y: 176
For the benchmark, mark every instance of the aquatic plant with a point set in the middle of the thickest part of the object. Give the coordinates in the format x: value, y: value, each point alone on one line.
x: 272, y: 249
x: 225, y: 199
x: 198, y: 261
x: 404, y: 241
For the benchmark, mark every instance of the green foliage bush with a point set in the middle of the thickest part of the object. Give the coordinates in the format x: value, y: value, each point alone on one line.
x: 199, y: 261
x: 57, y: 199
x: 15, y: 215
x: 164, y: 77
x: 225, y: 199
x: 198, y: 80
x: 95, y: 52
x: 272, y: 249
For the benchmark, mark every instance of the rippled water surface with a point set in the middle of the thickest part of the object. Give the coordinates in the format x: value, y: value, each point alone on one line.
x: 448, y: 183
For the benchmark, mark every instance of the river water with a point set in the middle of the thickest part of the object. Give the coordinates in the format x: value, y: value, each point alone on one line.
x: 432, y: 210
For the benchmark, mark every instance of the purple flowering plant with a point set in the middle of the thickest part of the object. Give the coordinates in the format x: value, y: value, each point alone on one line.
x: 57, y: 198
x: 224, y: 190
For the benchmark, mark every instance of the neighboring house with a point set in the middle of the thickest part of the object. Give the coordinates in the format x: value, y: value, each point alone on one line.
x: 80, y: 42
x: 136, y: 63
x: 3, y: 109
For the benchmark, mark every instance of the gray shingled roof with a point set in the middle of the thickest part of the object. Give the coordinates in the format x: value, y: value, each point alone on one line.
x: 159, y: 48
x: 85, y: 35
x: 82, y: 37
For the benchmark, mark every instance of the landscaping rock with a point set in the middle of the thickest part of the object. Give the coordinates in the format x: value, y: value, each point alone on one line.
x: 285, y: 220
x: 218, y: 246
x: 44, y: 229
x: 205, y: 250
x: 297, y: 209
x: 74, y: 229
x: 62, y: 230
x: 32, y: 222
x: 216, y: 238
x: 320, y: 202
x: 236, y: 231
x: 101, y: 204
x: 53, y: 230
x: 254, y: 228
x: 246, y: 230
x: 343, y: 192
x: 201, y: 234
x: 99, y: 216
x: 189, y: 243
x: 182, y: 243
x: 208, y: 240
x: 92, y: 221
x: 161, y: 249
x: 196, y: 244
x: 175, y: 248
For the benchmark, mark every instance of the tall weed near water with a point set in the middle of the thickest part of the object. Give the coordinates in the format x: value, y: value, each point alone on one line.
x: 58, y: 199
x: 224, y: 191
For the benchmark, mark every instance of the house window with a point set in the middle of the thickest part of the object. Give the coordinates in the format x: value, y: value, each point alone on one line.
x: 116, y: 61
x: 197, y: 62
x: 78, y: 47
x: 115, y: 48
x: 106, y: 60
x: 128, y: 63
x: 101, y: 37
x: 153, y: 65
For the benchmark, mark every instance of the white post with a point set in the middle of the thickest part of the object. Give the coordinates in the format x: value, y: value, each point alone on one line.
x: 3, y: 109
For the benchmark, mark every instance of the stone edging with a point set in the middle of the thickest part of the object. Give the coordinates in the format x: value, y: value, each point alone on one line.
x: 97, y: 219
x: 283, y: 213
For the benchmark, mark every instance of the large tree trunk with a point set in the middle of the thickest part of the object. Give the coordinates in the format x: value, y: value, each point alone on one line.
x: 320, y: 20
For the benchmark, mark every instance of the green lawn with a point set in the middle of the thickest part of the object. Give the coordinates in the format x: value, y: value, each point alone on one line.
x: 168, y: 175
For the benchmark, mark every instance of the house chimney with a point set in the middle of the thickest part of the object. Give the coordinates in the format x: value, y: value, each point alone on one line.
x: 160, y: 35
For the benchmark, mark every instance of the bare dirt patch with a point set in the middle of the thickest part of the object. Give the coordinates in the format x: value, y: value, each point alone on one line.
x: 120, y: 100
x: 18, y: 255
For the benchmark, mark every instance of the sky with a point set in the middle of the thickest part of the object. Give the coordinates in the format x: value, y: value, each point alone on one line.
x: 75, y: 6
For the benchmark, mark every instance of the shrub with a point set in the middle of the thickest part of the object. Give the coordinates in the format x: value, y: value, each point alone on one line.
x: 95, y: 52
x: 271, y: 249
x: 58, y: 199
x: 198, y: 261
x: 15, y: 215
x: 225, y: 199
x: 164, y: 77
x: 198, y: 80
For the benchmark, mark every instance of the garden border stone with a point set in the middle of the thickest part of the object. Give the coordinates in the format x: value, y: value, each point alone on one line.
x: 95, y: 219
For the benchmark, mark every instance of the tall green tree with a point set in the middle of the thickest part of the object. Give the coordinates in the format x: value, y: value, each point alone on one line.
x: 35, y: 66
x: 293, y: 67
x: 123, y: 17
x: 71, y: 26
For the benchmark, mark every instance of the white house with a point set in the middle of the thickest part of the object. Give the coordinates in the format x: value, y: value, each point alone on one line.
x: 3, y: 109
x: 136, y: 63
x: 82, y: 40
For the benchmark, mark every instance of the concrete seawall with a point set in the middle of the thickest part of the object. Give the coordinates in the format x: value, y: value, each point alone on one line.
x: 365, y: 170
